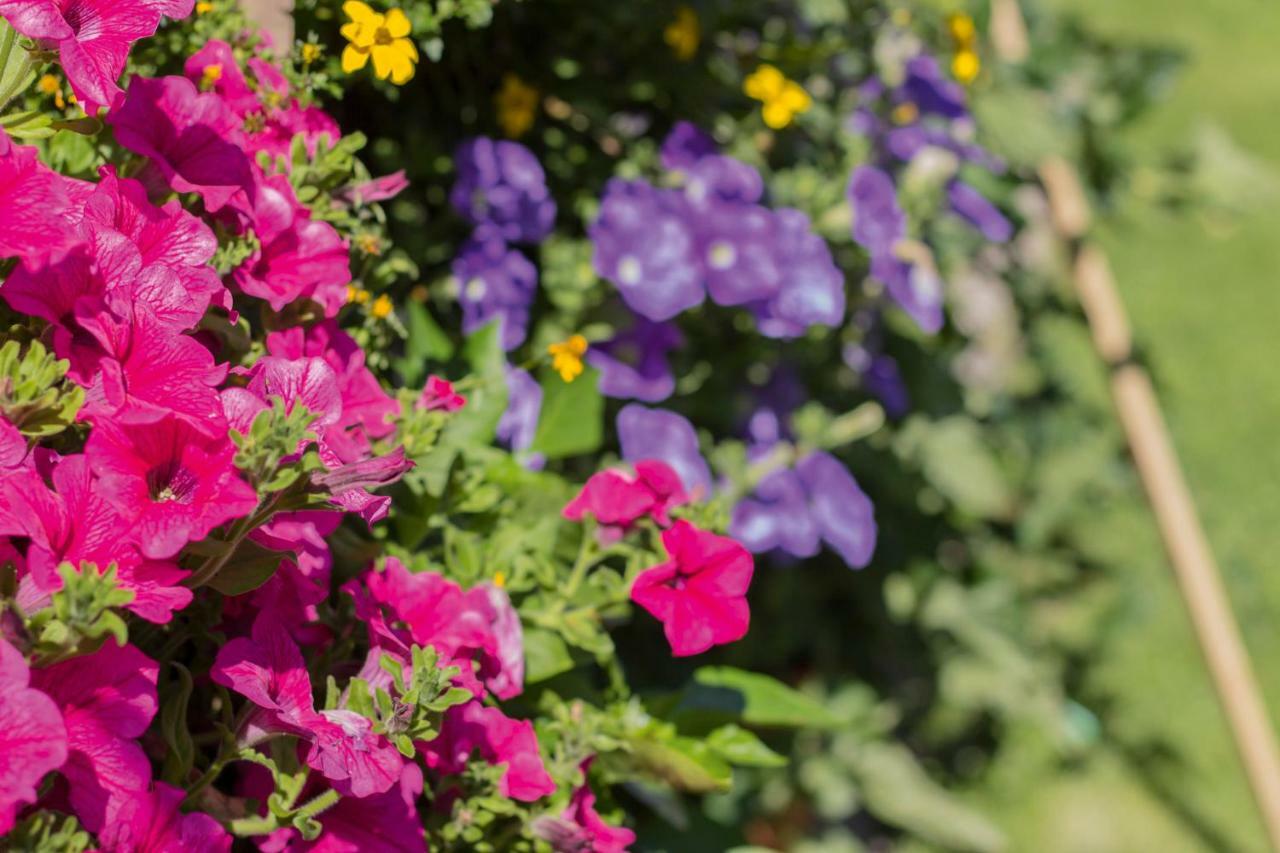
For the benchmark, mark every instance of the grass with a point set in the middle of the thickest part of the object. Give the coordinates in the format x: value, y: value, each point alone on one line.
x: 1204, y: 302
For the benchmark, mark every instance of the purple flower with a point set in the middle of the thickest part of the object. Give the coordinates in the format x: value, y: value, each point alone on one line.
x: 684, y: 146
x: 717, y: 178
x: 792, y: 509
x: 634, y: 363
x: 842, y: 511
x: 971, y: 206
x: 642, y: 245
x: 878, y: 221
x: 495, y: 281
x: 812, y: 289
x: 646, y: 433
x: 737, y: 244
x: 519, y: 423
x: 881, y: 377
x: 914, y: 287
x: 931, y: 91
x: 502, y: 186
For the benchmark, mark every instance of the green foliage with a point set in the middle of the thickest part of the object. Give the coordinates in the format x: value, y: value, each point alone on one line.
x: 46, y: 832
x: 34, y: 394
x: 81, y: 615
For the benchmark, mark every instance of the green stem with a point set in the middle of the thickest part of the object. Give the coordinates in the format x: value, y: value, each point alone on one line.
x: 239, y: 530
x: 586, y: 553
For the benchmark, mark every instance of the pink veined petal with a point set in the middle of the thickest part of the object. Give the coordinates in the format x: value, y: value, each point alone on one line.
x: 33, y: 738
x: 267, y: 669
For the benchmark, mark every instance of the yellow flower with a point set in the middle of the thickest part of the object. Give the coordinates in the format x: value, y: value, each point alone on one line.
x: 357, y: 295
x: 381, y: 307
x: 965, y: 66
x: 310, y: 53
x: 204, y: 7
x: 499, y: 579
x: 683, y: 34
x: 961, y: 28
x: 49, y: 85
x: 383, y: 37
x: 783, y: 99
x: 370, y: 244
x: 566, y: 357
x: 517, y: 104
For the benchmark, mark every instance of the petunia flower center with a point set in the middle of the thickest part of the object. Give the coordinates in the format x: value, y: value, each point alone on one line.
x: 171, y: 483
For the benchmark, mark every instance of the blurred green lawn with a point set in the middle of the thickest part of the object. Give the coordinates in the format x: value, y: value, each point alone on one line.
x: 1205, y: 304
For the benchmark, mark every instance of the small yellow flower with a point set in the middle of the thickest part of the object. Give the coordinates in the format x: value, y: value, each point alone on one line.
x: 517, y: 106
x: 905, y: 113
x: 204, y: 7
x: 499, y: 579
x: 965, y: 66
x: 381, y: 307
x: 210, y: 76
x: 49, y: 85
x: 683, y: 34
x: 566, y: 357
x: 383, y: 37
x: 357, y: 295
x: 310, y: 53
x: 370, y: 244
x: 783, y: 99
x: 961, y: 28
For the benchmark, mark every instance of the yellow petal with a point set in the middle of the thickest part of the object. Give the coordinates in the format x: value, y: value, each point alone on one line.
x: 357, y: 34
x: 383, y: 57
x: 402, y: 66
x: 397, y: 24
x: 764, y: 84
x: 353, y: 59
x: 795, y: 97
x: 408, y: 47
x: 777, y: 115
x: 358, y: 12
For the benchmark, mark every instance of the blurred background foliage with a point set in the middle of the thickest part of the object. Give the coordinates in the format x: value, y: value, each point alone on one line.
x: 1014, y: 670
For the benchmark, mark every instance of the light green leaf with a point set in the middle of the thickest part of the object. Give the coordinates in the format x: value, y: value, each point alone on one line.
x: 741, y: 747
x: 572, y: 418
x: 724, y: 692
x: 545, y: 655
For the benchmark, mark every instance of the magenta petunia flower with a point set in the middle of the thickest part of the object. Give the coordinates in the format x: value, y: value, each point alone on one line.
x: 76, y: 523
x: 33, y: 739
x: 107, y: 700
x: 153, y: 823
x: 700, y: 593
x: 268, y: 669
x: 190, y: 136
x: 618, y: 498
x: 499, y: 740
x: 30, y: 194
x: 480, y: 625
x: 580, y: 829
x: 298, y: 257
x: 438, y: 395
x: 171, y: 481
x: 92, y: 37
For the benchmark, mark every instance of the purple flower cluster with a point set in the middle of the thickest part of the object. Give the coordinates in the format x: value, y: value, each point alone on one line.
x: 502, y: 191
x: 666, y: 250
x: 928, y: 112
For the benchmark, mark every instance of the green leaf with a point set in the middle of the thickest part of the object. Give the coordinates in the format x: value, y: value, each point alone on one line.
x: 173, y: 727
x: 426, y: 342
x: 545, y: 655
x: 684, y: 763
x: 723, y: 692
x: 898, y: 791
x: 738, y: 746
x: 249, y: 568
x: 572, y: 418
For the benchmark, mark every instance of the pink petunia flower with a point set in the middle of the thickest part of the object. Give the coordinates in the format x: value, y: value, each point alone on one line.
x: 618, y: 498
x: 92, y: 37
x: 298, y: 257
x: 268, y: 669
x: 580, y: 829
x: 33, y: 739
x: 193, y: 140
x: 75, y: 523
x: 107, y: 700
x: 171, y: 481
x: 700, y: 593
x: 30, y: 194
x: 498, y: 739
x: 153, y: 823
x: 13, y: 446
x: 438, y: 395
x: 478, y: 625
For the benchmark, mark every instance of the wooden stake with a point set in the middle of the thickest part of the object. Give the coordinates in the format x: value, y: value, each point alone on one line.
x: 1171, y: 501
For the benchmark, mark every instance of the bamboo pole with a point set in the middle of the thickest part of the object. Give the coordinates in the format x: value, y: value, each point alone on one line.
x: 1174, y: 508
